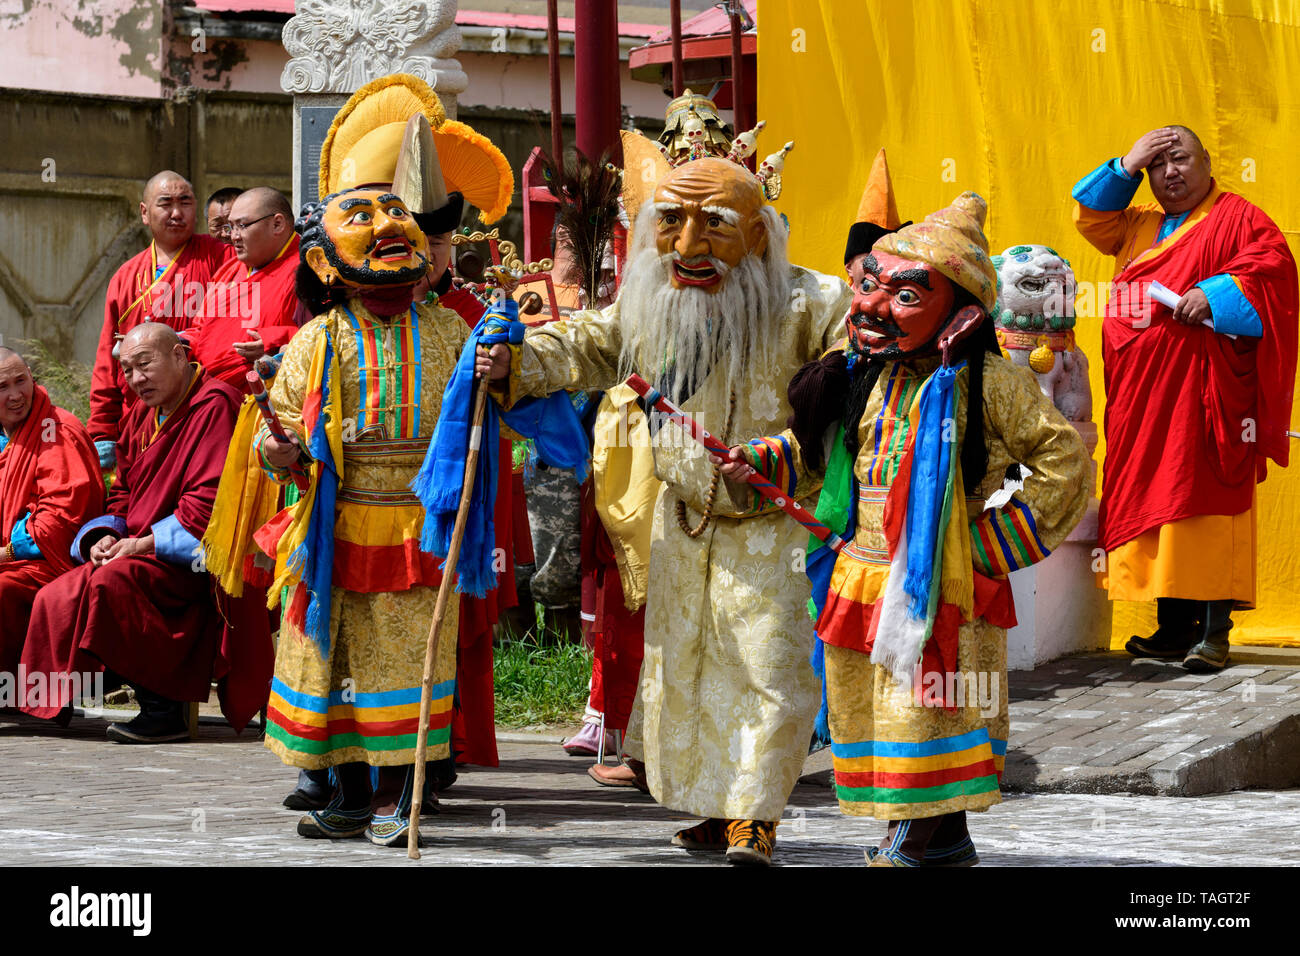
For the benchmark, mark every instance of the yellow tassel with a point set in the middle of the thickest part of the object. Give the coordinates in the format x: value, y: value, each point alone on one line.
x: 1042, y: 359
x: 246, y: 500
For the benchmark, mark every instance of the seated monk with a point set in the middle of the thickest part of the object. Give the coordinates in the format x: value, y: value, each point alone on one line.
x: 50, y: 484
x: 142, y: 605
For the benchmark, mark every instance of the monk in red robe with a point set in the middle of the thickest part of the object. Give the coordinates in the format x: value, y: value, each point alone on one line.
x: 141, y: 606
x: 1198, y: 391
x: 49, y: 485
x: 251, y: 307
x: 164, y: 283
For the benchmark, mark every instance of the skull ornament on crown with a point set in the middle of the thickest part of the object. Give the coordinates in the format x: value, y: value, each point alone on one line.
x: 1034, y: 317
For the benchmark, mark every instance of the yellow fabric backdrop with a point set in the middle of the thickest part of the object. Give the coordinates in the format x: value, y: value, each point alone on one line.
x: 1017, y: 100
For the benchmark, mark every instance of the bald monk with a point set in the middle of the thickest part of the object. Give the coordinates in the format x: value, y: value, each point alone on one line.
x: 163, y: 283
x: 250, y: 310
x: 49, y: 486
x: 141, y: 605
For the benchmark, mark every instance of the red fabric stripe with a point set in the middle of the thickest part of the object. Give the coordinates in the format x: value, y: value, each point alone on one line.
x: 372, y: 568
x: 927, y: 778
x: 1017, y: 520
x: 369, y: 728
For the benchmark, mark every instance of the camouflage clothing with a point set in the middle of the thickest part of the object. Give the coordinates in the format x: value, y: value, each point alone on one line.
x: 553, y: 513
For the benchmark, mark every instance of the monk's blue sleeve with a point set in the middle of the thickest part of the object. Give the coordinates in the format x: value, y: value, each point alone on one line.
x: 1107, y: 188
x: 1233, y: 314
x: 172, y: 543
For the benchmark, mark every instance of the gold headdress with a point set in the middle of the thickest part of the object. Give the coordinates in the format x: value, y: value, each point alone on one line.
x: 365, y: 138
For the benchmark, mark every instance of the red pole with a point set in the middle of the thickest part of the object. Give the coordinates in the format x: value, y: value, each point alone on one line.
x: 739, y: 108
x: 675, y: 9
x: 595, y: 67
x: 553, y: 68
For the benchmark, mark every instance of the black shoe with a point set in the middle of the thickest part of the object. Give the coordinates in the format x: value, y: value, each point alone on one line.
x: 1210, y: 653
x: 1162, y: 645
x: 147, y: 728
x: 313, y: 792
x: 1177, y: 628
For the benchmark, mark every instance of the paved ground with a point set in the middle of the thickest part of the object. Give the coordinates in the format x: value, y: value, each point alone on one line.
x: 70, y: 797
x: 1104, y: 723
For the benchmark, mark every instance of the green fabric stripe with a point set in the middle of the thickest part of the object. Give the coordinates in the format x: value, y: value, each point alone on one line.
x: 1013, y: 536
x: 398, y: 341
x: 903, y: 406
x: 968, y: 788
x: 341, y: 741
x: 978, y: 545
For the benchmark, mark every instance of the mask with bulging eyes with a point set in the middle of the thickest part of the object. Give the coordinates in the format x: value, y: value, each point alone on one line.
x: 371, y: 239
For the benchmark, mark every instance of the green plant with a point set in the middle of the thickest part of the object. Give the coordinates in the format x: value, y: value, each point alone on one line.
x: 66, y: 379
x: 538, y: 683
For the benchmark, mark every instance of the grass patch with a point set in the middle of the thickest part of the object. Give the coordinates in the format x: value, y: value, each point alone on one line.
x: 67, y: 380
x: 539, y: 683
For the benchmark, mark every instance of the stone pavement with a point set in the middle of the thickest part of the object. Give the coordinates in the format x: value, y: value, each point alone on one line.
x: 72, y: 798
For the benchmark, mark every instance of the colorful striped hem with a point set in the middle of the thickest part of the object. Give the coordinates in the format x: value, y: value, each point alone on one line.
x: 928, y: 771
x: 1005, y: 539
x: 380, y: 721
x: 963, y: 788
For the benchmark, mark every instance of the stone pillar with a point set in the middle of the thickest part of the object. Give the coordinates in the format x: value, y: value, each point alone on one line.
x: 336, y: 46
x: 1058, y: 605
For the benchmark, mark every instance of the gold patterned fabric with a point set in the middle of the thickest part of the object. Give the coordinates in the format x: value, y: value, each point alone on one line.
x: 361, y: 703
x: 727, y: 698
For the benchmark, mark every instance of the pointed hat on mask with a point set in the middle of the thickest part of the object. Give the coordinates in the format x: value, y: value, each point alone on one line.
x: 877, y: 212
x: 952, y: 240
x: 367, y: 135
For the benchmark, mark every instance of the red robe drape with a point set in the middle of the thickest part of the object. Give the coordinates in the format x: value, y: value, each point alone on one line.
x: 152, y: 622
x: 236, y: 303
x: 134, y: 297
x: 48, y: 470
x: 1192, y: 415
x: 473, y: 725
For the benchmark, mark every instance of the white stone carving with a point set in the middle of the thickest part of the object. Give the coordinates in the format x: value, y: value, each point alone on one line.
x: 336, y: 46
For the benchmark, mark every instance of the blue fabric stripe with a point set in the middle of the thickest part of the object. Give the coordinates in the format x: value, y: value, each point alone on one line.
x: 789, y: 467
x: 999, y: 747
x: 386, y: 698
x: 415, y: 358
x: 1108, y: 188
x: 925, y: 748
x: 359, y: 335
x: 1232, y: 312
x: 889, y: 390
x: 1033, y: 525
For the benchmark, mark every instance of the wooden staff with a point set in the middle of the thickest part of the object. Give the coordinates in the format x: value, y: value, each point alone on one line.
x: 759, y: 482
x: 439, y: 609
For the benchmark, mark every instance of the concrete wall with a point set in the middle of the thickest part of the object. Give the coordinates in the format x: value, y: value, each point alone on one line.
x: 71, y: 177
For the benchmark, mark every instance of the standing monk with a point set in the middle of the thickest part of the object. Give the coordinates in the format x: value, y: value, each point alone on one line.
x: 164, y: 283
x: 141, y: 605
x: 1198, y: 396
x: 250, y: 308
x: 712, y: 312
x: 49, y: 485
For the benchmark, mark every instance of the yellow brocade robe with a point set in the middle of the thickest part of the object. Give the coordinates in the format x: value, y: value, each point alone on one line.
x: 361, y: 703
x: 727, y: 698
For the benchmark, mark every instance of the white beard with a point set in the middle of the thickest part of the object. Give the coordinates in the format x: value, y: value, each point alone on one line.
x: 675, y: 337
